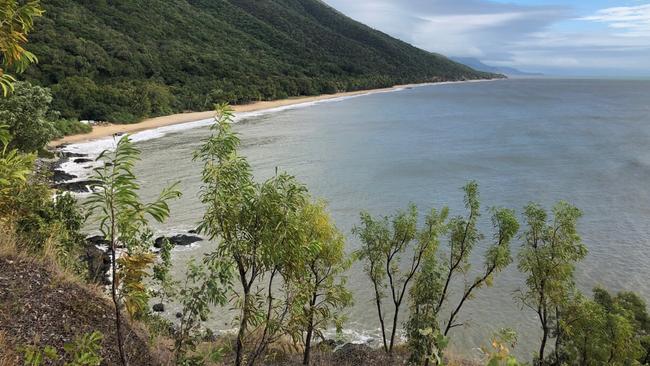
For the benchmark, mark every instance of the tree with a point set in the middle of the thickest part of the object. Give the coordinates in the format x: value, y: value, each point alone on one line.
x: 123, y: 221
x: 383, y: 242
x: 25, y: 114
x: 321, y: 293
x: 427, y: 336
x: 259, y: 229
x: 607, y: 329
x: 204, y: 286
x: 16, y: 22
x: 548, y: 257
x: 14, y: 170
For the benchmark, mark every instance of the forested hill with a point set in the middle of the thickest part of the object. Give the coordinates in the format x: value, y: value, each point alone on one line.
x: 122, y: 60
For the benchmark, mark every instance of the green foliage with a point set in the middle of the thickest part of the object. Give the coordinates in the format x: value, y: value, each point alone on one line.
x: 383, y: 243
x: 427, y: 337
x: 67, y: 127
x: 16, y: 22
x: 262, y: 232
x: 24, y: 113
x: 320, y: 294
x: 604, y: 331
x: 124, y: 222
x: 548, y: 257
x: 104, y: 63
x: 15, y: 168
x: 45, y: 224
x: 204, y: 286
x: 499, y: 352
x: 83, y: 351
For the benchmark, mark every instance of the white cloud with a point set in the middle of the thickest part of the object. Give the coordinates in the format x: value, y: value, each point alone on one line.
x: 522, y: 36
x: 633, y: 21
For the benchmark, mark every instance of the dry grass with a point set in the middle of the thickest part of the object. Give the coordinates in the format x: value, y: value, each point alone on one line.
x: 8, y: 241
x: 7, y: 356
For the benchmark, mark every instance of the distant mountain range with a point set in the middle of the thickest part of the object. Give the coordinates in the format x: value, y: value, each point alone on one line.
x: 123, y: 60
x: 478, y: 65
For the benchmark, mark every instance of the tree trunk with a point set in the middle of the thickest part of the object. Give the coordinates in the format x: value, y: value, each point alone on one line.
x: 310, y: 331
x: 392, y: 332
x: 542, y: 347
x: 116, y: 300
x: 381, y: 317
x: 242, y: 328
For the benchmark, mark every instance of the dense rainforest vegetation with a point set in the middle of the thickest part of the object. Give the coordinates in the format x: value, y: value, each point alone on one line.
x: 124, y: 60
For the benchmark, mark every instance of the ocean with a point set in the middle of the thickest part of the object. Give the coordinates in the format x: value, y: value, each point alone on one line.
x: 523, y: 140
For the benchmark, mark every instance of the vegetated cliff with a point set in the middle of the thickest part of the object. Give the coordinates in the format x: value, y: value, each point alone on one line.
x: 124, y: 60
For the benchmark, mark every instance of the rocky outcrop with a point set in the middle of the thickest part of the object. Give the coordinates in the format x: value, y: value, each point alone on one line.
x: 60, y: 176
x: 178, y: 240
x: 83, y: 186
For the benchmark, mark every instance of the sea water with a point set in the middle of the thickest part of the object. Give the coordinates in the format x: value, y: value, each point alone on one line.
x: 522, y: 140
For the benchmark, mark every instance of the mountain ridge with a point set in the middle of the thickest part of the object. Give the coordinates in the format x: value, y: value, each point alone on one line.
x: 127, y: 60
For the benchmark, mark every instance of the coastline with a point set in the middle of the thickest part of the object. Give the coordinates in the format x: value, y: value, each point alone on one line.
x: 108, y: 130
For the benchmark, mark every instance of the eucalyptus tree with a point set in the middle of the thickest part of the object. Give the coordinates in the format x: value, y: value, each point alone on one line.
x: 124, y: 222
x: 432, y: 287
x: 259, y: 229
x: 384, y: 241
x: 548, y: 257
x: 321, y: 292
x: 16, y: 22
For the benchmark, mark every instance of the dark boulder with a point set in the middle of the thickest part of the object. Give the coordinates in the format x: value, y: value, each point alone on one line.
x: 179, y: 315
x: 159, y: 308
x: 178, y: 240
x: 68, y: 154
x: 60, y: 176
x: 83, y: 160
x: 97, y: 240
x: 76, y: 187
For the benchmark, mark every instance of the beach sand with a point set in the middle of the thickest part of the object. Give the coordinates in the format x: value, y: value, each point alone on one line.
x: 107, y: 130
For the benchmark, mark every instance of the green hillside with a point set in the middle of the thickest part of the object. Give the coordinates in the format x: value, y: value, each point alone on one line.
x: 122, y: 60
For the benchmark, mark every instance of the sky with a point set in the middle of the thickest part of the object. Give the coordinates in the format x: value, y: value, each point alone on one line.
x: 580, y: 38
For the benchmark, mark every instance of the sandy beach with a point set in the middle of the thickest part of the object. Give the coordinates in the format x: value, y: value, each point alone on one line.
x: 106, y: 130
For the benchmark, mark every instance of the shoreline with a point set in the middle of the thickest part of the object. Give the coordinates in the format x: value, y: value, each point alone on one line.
x: 108, y: 130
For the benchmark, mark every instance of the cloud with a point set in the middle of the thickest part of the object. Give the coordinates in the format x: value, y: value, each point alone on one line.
x: 549, y: 38
x: 631, y: 20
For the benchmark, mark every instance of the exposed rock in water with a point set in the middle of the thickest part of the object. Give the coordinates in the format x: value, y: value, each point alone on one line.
x: 68, y: 154
x: 60, y: 176
x: 179, y: 315
x: 97, y: 240
x: 178, y: 240
x: 83, y: 160
x: 159, y: 308
x: 76, y: 187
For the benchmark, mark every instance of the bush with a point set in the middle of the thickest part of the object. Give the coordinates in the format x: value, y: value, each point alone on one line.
x: 67, y: 127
